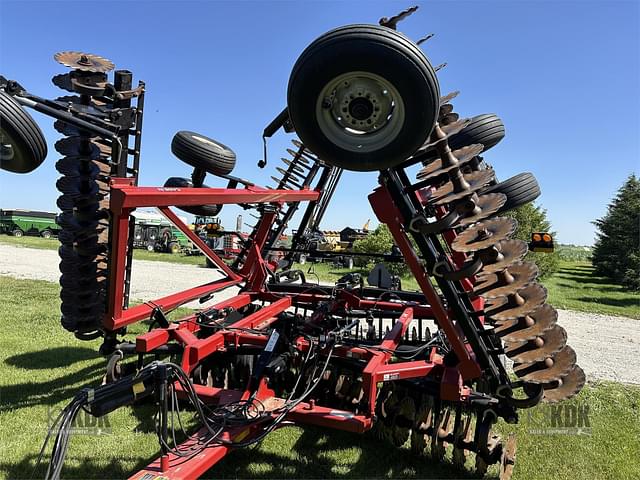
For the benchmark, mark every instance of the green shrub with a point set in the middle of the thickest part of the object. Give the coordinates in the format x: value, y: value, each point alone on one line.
x: 532, y: 218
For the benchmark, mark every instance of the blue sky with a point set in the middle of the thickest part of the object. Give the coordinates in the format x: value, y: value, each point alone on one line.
x: 564, y: 77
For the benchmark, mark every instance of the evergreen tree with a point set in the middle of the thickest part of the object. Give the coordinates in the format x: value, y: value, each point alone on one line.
x: 617, y: 250
x: 531, y: 219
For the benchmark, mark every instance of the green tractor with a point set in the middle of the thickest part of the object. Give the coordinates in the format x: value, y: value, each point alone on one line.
x: 157, y: 234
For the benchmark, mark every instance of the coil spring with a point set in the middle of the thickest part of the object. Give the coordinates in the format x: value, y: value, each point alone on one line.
x: 84, y: 230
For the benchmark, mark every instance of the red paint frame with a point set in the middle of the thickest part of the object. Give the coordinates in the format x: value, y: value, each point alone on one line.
x: 379, y: 367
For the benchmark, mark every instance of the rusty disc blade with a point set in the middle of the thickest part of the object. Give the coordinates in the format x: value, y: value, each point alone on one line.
x: 565, y: 388
x: 445, y: 110
x: 66, y: 129
x: 487, y: 204
x: 84, y: 61
x: 507, y: 252
x: 544, y: 346
x: 438, y: 167
x: 529, y: 326
x: 442, y: 132
x: 520, y: 304
x: 105, y: 149
x: 448, y: 97
x: 475, y: 180
x: 550, y: 369
x: 506, y: 282
x: 63, y: 81
x: 484, y: 234
x: 448, y: 118
x: 508, y: 458
x: 76, y: 146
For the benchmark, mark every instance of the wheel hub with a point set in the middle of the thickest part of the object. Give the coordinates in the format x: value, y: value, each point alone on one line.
x: 361, y: 109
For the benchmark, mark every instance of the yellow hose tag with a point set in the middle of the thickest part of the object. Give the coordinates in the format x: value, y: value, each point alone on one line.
x: 242, y: 435
x: 138, y: 388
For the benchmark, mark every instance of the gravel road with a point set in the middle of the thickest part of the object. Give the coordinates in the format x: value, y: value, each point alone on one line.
x: 607, y: 346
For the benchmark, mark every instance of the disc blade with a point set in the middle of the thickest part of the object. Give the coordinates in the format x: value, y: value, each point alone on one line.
x: 448, y: 118
x: 506, y: 282
x: 508, y: 252
x: 84, y: 61
x: 567, y: 387
x: 463, y: 156
x: 488, y: 204
x: 63, y: 81
x: 448, y: 97
x: 548, y: 370
x: 508, y: 458
x: 475, y: 181
x: 75, y: 146
x: 528, y: 327
x: 445, y: 110
x: 445, y: 131
x: 544, y: 346
x: 484, y: 234
x: 522, y: 303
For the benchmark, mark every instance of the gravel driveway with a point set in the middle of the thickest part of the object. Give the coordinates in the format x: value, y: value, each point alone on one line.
x: 607, y: 346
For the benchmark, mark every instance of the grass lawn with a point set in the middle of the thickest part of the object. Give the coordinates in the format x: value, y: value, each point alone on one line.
x: 576, y: 287
x: 138, y: 253
x: 43, y: 366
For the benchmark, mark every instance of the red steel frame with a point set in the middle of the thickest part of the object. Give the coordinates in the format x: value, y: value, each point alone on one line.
x: 125, y: 197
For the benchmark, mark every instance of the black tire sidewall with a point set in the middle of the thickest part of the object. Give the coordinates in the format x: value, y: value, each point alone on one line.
x: 400, y: 67
x: 216, y: 159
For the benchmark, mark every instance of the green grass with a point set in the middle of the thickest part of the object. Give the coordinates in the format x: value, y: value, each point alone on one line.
x: 138, y: 253
x: 575, y: 286
x: 43, y: 366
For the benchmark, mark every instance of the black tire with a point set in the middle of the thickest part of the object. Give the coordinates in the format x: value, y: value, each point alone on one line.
x: 203, y: 152
x: 370, y: 49
x: 201, y: 210
x: 174, y: 248
x: 486, y: 129
x: 519, y: 189
x: 17, y: 233
x: 23, y: 147
x: 46, y: 234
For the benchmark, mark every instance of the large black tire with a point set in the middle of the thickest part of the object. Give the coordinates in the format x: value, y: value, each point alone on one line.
x: 203, y: 153
x: 519, y: 189
x: 382, y: 58
x: 204, y: 210
x: 486, y: 129
x: 22, y: 145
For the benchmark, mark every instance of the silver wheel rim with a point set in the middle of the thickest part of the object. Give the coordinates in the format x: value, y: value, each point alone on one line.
x: 360, y: 112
